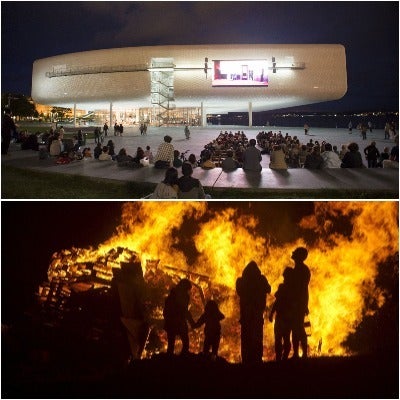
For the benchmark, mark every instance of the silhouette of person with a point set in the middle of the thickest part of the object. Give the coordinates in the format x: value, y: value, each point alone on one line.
x: 283, y: 310
x: 132, y: 293
x: 176, y: 314
x: 212, y: 329
x: 8, y: 127
x: 252, y: 288
x: 301, y: 279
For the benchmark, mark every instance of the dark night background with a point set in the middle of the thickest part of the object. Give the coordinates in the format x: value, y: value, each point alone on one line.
x: 32, y: 231
x: 368, y: 30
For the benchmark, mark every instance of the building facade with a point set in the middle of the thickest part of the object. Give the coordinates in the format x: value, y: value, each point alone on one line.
x: 202, y: 79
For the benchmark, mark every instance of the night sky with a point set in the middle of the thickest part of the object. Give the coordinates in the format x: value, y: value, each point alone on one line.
x: 368, y: 30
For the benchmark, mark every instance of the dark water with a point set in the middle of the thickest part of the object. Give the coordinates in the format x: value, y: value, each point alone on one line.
x: 322, y: 121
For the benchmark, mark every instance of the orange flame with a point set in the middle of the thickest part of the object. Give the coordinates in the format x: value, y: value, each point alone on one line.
x: 343, y: 263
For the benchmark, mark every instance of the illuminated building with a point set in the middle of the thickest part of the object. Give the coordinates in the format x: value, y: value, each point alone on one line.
x: 152, y: 83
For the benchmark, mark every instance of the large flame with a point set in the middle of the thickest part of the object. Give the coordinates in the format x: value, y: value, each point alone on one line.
x: 343, y: 262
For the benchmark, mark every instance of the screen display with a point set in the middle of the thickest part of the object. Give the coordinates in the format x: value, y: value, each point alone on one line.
x: 240, y: 73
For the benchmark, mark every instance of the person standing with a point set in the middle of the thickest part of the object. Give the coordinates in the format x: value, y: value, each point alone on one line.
x: 350, y: 127
x: 8, y: 128
x: 252, y: 288
x: 300, y: 279
x: 283, y: 310
x: 176, y: 315
x: 211, y: 318
x: 306, y: 129
x: 187, y: 132
x: 252, y: 157
x: 372, y: 155
x: 105, y: 129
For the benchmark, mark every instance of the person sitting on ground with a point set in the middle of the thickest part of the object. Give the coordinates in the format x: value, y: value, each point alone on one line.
x: 277, y: 158
x: 123, y: 159
x: 177, y: 162
x: 207, y: 163
x: 165, y: 154
x: 331, y: 159
x: 343, y: 151
x: 303, y: 152
x: 352, y: 159
x: 104, y: 156
x: 111, y: 148
x: 86, y: 153
x: 149, y: 154
x: 97, y: 150
x: 139, y: 156
x: 189, y: 187
x: 31, y: 142
x: 229, y: 163
x: 252, y: 157
x: 314, y: 160
x: 385, y: 155
x: 56, y: 145
x: 168, y: 188
x: 192, y: 160
x: 393, y: 161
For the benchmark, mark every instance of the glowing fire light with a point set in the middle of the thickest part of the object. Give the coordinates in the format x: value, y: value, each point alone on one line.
x: 343, y: 266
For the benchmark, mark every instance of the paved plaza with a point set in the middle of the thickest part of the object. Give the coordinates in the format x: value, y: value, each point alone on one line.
x: 376, y: 180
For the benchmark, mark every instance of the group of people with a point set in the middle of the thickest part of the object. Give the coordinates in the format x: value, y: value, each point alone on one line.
x: 290, y: 308
x: 184, y: 187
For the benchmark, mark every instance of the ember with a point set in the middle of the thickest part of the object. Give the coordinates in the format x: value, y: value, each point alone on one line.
x: 343, y: 265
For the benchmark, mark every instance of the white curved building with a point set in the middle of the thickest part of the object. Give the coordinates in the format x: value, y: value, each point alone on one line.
x: 215, y: 78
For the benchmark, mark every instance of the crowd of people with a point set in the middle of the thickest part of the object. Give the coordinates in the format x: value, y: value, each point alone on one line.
x: 229, y: 151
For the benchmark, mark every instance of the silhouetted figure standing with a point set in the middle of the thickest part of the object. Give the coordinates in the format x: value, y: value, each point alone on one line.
x: 283, y: 310
x: 301, y: 279
x: 8, y: 128
x: 252, y: 288
x: 212, y: 329
x: 176, y: 314
x: 132, y: 291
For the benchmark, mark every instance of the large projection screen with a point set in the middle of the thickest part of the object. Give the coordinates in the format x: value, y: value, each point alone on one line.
x: 240, y: 73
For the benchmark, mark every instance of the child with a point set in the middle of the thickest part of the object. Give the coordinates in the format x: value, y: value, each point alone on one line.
x: 148, y: 154
x: 283, y: 307
x: 212, y: 329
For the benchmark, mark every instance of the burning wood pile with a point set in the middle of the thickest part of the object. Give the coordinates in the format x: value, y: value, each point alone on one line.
x: 71, y: 276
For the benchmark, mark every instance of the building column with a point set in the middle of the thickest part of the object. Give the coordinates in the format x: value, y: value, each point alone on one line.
x: 137, y: 119
x: 111, y: 121
x: 74, y: 115
x: 203, y: 115
x: 250, y: 114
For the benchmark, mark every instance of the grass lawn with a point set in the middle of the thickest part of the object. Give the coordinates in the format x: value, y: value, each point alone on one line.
x: 25, y: 184
x: 19, y: 183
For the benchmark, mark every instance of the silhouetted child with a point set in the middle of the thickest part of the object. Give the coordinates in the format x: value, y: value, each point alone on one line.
x: 283, y: 307
x: 212, y: 329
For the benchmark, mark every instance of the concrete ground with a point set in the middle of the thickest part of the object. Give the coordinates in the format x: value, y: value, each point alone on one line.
x: 376, y: 180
